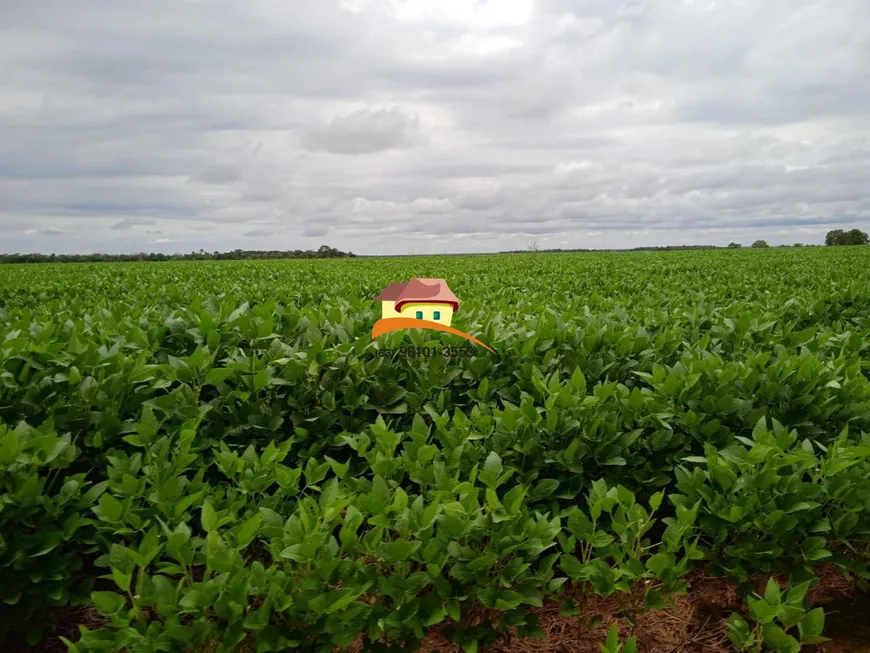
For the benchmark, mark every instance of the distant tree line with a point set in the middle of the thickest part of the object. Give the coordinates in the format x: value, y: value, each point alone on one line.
x: 851, y: 237
x: 536, y: 250
x: 833, y: 238
x: 836, y: 237
x: 668, y: 248
x: 235, y: 255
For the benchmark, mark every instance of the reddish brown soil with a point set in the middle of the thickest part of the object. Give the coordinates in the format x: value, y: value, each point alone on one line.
x: 67, y: 621
x: 693, y: 623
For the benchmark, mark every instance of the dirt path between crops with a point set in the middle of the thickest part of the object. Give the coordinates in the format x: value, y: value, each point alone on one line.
x: 848, y: 625
x: 694, y: 623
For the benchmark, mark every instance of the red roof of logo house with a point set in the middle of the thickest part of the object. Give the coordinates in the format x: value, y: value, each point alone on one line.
x: 430, y: 291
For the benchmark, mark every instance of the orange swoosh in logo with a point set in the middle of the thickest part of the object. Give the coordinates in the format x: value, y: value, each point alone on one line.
x: 387, y: 325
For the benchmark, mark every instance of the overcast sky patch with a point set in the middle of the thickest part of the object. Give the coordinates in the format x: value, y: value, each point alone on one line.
x: 392, y: 126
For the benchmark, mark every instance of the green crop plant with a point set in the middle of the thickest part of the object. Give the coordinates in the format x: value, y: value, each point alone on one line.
x: 775, y: 614
x: 211, y: 455
x: 613, y: 645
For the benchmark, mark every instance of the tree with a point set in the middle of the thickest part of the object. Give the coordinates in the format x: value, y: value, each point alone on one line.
x: 838, y: 237
x: 798, y: 244
x: 835, y: 237
x: 734, y: 245
x: 760, y: 243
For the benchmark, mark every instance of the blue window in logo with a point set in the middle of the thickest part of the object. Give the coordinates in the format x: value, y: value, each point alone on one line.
x: 419, y: 315
x: 436, y: 315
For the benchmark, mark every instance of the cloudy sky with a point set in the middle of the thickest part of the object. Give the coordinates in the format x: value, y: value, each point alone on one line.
x: 423, y: 126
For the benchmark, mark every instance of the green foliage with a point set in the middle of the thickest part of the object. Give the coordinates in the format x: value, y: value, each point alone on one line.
x: 44, y: 508
x: 613, y: 645
x: 203, y: 451
x: 839, y: 237
x: 775, y: 614
x: 324, y: 251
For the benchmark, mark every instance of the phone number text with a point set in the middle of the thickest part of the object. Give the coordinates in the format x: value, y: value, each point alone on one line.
x: 424, y: 352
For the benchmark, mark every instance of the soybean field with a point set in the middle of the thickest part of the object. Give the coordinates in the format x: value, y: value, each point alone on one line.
x: 217, y: 456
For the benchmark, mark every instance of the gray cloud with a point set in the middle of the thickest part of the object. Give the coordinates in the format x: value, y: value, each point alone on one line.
x: 263, y: 231
x: 129, y: 223
x: 315, y: 232
x: 218, y: 174
x: 364, y: 132
x: 45, y: 231
x: 430, y: 125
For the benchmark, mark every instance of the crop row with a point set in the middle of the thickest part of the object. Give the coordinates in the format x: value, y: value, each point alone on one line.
x: 207, y: 452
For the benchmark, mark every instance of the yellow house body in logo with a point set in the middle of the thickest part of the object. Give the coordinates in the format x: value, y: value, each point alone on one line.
x: 419, y: 304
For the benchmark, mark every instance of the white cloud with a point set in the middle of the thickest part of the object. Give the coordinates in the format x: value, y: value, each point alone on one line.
x: 457, y: 125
